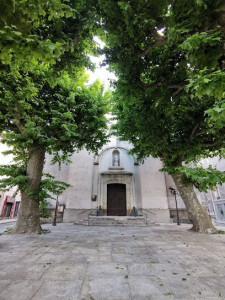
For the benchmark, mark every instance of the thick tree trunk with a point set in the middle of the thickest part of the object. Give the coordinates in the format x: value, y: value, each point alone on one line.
x: 220, y: 20
x: 196, y: 212
x: 29, y: 216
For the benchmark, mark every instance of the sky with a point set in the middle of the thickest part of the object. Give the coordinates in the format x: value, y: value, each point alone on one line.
x: 100, y: 73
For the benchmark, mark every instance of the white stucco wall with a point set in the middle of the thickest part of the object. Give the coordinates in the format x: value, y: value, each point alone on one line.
x: 171, y: 199
x: 153, y: 188
x: 60, y: 174
x: 80, y: 177
x: 126, y: 161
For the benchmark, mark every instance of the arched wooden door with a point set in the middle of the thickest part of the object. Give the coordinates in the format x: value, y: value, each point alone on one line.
x: 116, y: 199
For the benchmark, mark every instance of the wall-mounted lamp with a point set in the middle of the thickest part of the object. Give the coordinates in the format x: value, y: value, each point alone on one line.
x: 94, y: 197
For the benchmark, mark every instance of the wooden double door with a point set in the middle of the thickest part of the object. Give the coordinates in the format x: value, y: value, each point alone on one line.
x: 116, y: 199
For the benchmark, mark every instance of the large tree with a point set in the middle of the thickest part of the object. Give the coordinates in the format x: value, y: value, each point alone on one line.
x: 37, y: 118
x: 169, y: 58
x: 44, y: 104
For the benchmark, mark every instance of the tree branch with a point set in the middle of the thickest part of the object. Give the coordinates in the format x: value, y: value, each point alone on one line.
x: 75, y: 39
x: 178, y: 88
x: 18, y: 123
x: 193, y: 131
x: 199, y: 133
x: 159, y: 41
x: 151, y: 86
x: 212, y: 145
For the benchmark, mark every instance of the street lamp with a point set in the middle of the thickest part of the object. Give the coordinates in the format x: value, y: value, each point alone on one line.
x: 174, y: 193
x: 56, y: 208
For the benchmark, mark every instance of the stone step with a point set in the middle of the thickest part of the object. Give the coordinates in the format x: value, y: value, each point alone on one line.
x: 113, y: 221
x: 182, y: 221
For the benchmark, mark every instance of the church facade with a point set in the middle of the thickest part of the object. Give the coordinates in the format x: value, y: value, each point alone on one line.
x: 116, y: 183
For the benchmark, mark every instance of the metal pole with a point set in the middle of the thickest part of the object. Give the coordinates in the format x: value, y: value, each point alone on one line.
x: 56, y: 208
x: 178, y: 219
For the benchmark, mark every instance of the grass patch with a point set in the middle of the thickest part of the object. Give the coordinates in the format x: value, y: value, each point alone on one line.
x: 169, y: 294
x: 219, y: 293
x: 8, y: 229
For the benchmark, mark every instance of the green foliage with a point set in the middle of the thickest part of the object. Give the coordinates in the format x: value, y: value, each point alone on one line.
x: 49, y: 187
x: 206, y: 83
x: 217, y: 114
x: 58, y: 118
x: 199, y: 45
x: 45, y: 31
x: 44, y: 101
x: 169, y: 98
x: 203, y: 179
x: 13, y: 175
x: 44, y: 213
x: 8, y: 229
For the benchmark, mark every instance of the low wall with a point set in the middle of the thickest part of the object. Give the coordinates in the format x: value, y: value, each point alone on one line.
x: 74, y: 215
x: 59, y: 218
x: 153, y: 215
x: 156, y: 215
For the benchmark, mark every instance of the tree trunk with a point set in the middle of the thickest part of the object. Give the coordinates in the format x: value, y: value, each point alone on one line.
x: 29, y: 216
x: 196, y: 212
x: 220, y: 20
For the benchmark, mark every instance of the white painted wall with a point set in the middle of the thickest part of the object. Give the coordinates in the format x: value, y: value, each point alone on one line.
x: 60, y: 174
x: 126, y: 161
x: 80, y: 177
x: 171, y: 199
x: 153, y: 188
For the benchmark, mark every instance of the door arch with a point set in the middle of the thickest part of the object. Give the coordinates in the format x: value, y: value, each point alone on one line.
x: 116, y: 199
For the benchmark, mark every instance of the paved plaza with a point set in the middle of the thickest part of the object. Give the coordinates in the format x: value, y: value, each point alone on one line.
x: 93, y: 263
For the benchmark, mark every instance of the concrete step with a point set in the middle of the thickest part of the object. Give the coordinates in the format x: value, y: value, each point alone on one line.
x: 113, y: 221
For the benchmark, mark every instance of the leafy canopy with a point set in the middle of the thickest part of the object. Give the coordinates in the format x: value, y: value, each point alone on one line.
x: 44, y: 102
x: 169, y: 98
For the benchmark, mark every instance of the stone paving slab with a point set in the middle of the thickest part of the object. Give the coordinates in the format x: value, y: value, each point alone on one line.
x: 74, y: 262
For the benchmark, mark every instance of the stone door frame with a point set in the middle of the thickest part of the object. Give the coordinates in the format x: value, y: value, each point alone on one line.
x: 122, y: 178
x: 116, y: 199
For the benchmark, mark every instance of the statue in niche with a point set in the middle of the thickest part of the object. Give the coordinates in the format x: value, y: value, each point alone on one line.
x: 116, y: 160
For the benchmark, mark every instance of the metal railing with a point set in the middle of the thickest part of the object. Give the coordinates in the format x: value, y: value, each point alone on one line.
x: 147, y: 220
x: 94, y: 213
x: 85, y: 211
x: 141, y: 213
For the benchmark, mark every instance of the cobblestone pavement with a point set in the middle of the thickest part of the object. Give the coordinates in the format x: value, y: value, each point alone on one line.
x: 4, y: 226
x: 94, y: 263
